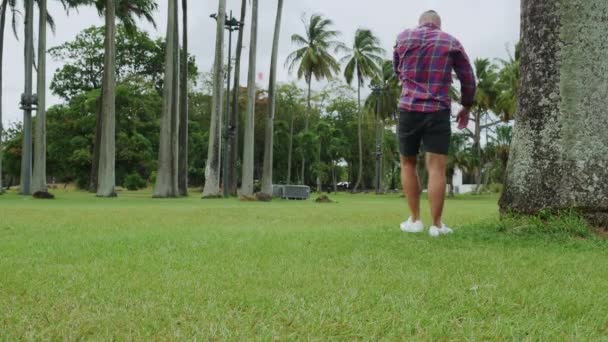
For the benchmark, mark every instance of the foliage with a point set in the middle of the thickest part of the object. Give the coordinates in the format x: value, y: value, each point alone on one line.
x: 137, y: 56
x: 134, y: 182
x: 314, y: 57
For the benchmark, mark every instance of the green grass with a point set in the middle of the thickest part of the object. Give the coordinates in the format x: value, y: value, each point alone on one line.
x: 137, y: 268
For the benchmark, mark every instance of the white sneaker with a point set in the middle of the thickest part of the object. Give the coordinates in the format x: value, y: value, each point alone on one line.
x: 436, y: 232
x: 410, y: 226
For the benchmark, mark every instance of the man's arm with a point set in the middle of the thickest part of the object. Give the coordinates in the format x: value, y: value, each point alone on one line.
x: 464, y: 71
x: 396, y: 59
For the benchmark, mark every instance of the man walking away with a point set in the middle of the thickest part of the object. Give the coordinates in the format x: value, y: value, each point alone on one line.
x: 424, y: 58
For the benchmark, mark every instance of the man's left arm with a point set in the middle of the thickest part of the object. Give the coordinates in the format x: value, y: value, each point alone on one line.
x: 464, y: 71
x: 396, y: 59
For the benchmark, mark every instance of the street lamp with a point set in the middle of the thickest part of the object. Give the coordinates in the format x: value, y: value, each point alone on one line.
x: 231, y: 25
x: 378, y: 90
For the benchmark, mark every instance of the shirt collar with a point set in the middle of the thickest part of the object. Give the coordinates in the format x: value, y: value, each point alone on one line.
x: 430, y: 26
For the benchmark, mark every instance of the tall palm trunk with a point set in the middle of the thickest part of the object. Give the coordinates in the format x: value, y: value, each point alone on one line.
x: 290, y: 150
x: 26, y: 156
x: 306, y: 118
x: 107, y: 146
x: 382, y: 160
x: 212, y: 169
x: 234, y: 115
x: 2, y: 26
x: 167, y: 178
x: 183, y: 112
x: 39, y: 180
x: 359, y: 133
x: 269, y: 142
x: 248, y: 148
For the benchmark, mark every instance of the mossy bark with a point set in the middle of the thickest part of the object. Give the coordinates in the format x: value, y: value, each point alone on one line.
x: 559, y: 156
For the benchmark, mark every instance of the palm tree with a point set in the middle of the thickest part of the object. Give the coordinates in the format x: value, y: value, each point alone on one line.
x: 383, y: 102
x: 26, y: 156
x: 107, y: 148
x: 212, y: 169
x: 506, y: 103
x: 183, y: 111
x: 269, y: 143
x: 167, y: 178
x: 248, y: 148
x: 314, y: 57
x: 235, y: 110
x: 127, y: 11
x: 39, y: 177
x: 485, y: 102
x: 3, y: 7
x: 290, y: 96
x: 363, y: 61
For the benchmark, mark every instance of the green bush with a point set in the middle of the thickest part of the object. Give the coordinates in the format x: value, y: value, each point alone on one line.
x: 152, y: 178
x: 82, y: 182
x: 134, y: 182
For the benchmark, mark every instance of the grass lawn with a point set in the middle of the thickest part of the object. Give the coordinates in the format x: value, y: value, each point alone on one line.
x: 137, y: 268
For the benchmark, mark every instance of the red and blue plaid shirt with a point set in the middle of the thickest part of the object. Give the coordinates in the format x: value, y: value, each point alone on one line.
x: 423, y: 61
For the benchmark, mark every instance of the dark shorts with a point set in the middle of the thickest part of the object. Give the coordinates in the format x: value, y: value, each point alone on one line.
x: 431, y: 130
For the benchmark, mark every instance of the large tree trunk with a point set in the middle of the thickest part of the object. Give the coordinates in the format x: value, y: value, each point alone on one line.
x: 39, y: 179
x: 235, y: 110
x: 166, y: 180
x: 269, y: 141
x: 560, y: 146
x: 248, y: 146
x: 212, y: 169
x: 2, y: 26
x: 107, y: 146
x: 183, y: 111
x: 26, y: 156
x: 359, y: 134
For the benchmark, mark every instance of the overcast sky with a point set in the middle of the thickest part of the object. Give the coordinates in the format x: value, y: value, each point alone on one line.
x: 485, y: 27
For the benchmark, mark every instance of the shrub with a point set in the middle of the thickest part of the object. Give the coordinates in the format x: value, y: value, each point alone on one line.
x: 134, y: 182
x: 82, y: 182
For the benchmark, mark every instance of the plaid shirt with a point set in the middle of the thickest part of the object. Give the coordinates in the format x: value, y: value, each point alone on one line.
x: 423, y: 61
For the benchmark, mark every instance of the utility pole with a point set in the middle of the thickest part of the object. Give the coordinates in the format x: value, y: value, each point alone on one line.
x: 231, y: 25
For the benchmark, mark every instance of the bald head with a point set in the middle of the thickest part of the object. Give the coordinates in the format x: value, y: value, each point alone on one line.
x: 430, y: 17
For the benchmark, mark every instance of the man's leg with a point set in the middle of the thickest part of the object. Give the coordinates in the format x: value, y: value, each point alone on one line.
x: 436, y: 165
x: 411, y: 185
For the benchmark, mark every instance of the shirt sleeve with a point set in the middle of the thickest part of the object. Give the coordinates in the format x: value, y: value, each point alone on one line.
x: 396, y: 59
x: 464, y: 71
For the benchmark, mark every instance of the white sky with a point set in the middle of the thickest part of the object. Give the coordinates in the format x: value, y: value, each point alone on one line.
x: 485, y: 27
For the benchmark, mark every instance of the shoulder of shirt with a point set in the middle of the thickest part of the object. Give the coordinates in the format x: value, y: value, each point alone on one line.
x: 448, y: 37
x: 404, y: 34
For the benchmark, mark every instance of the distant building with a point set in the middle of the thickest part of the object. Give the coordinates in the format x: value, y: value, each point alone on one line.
x: 464, y: 183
